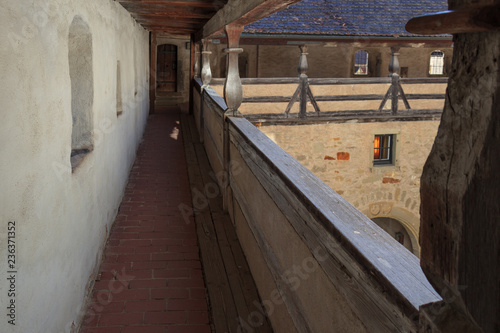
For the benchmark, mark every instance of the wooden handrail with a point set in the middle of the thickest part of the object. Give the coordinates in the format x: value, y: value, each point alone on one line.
x: 479, y: 18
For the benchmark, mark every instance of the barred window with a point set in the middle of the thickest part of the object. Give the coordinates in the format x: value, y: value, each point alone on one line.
x: 361, y: 63
x: 436, y: 65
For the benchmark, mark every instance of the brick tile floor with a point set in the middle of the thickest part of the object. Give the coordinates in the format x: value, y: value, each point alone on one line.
x: 150, y: 278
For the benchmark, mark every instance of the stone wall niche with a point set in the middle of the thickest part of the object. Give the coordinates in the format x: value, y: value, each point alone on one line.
x: 82, y: 89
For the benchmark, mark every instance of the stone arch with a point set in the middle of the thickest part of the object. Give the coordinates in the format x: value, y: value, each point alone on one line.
x: 409, y: 221
x: 82, y: 89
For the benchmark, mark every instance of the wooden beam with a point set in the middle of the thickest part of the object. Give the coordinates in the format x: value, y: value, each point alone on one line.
x: 172, y: 15
x: 187, y: 3
x: 466, y: 20
x: 241, y: 12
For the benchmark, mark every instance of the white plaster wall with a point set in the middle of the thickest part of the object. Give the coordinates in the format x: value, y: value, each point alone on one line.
x: 62, y: 218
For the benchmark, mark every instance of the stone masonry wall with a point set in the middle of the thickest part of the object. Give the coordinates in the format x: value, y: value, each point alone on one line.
x: 329, y: 60
x: 342, y: 156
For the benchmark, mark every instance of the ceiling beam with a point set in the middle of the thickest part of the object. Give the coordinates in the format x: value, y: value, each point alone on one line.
x: 185, y: 3
x: 240, y: 12
x: 163, y: 18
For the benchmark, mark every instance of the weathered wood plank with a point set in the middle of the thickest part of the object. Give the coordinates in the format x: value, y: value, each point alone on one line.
x: 416, y: 80
x: 476, y: 18
x: 341, y: 268
x: 360, y: 116
x: 230, y: 285
x: 396, y: 272
x: 290, y: 299
x: 425, y: 96
x: 332, y: 81
x: 221, y: 305
x: 335, y: 98
x: 241, y: 12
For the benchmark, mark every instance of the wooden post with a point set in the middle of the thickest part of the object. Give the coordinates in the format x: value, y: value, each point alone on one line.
x: 206, y: 77
x: 152, y: 72
x: 395, y: 90
x: 460, y: 186
x: 303, y: 90
x: 233, y: 94
x: 394, y: 69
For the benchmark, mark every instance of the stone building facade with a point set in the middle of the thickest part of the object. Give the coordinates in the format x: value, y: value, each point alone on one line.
x: 332, y: 59
x: 341, y: 154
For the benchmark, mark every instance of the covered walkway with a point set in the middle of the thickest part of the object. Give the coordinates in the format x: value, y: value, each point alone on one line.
x: 151, y: 277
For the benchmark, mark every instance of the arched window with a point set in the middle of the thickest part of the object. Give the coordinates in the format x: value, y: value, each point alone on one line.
x: 436, y: 64
x: 361, y: 63
x: 82, y: 89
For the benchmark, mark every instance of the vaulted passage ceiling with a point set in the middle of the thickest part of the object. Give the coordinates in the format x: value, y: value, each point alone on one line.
x: 176, y: 17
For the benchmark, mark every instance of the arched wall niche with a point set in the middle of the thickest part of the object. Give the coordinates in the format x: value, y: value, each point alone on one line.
x: 82, y: 89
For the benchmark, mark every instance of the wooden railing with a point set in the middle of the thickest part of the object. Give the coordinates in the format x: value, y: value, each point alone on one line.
x: 356, y: 277
x: 340, y: 99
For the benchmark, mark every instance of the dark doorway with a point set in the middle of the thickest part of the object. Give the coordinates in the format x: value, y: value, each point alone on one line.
x: 395, y: 229
x: 166, y: 79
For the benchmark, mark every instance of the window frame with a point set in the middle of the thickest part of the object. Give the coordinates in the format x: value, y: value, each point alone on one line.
x: 390, y: 148
x: 360, y: 65
x: 436, y: 62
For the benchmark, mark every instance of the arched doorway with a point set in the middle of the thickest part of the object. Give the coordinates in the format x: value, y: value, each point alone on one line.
x: 394, y: 228
x: 166, y: 70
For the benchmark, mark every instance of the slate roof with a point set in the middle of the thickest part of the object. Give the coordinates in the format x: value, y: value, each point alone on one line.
x: 346, y: 17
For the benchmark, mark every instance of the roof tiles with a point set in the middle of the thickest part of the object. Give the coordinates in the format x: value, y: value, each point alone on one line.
x: 346, y: 17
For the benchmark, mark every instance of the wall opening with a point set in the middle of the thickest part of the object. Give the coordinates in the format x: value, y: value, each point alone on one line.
x: 166, y: 78
x: 119, y: 102
x: 436, y: 63
x: 394, y: 228
x: 82, y: 89
x: 361, y: 63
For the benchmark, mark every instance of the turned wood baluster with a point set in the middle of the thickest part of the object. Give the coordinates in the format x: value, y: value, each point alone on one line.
x: 233, y: 94
x: 394, y: 69
x: 304, y: 82
x: 197, y: 60
x: 206, y: 72
x: 233, y: 90
x: 206, y: 77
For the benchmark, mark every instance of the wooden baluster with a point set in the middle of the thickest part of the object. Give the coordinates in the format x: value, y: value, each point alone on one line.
x: 233, y: 90
x: 197, y: 60
x: 206, y: 77
x: 304, y: 83
x: 206, y: 72
x: 233, y: 94
x: 394, y: 69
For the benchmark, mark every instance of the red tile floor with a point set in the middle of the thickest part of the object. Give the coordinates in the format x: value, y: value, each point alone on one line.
x: 150, y: 277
